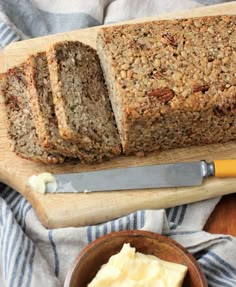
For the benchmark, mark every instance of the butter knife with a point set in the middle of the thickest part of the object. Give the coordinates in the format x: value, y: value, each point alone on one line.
x: 143, y: 177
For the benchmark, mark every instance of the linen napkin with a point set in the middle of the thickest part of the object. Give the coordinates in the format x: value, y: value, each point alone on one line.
x: 30, y: 254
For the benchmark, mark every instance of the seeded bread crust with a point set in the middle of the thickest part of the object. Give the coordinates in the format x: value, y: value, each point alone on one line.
x: 171, y: 83
x: 81, y: 101
x: 43, y: 110
x: 21, y: 129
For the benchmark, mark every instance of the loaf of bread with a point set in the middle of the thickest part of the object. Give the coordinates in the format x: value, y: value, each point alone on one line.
x: 21, y: 129
x: 81, y: 101
x: 171, y: 83
x: 43, y: 111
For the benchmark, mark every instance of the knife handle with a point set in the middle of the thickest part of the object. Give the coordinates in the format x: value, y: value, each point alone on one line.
x: 225, y: 168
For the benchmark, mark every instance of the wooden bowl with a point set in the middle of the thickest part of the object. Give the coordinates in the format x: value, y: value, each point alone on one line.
x: 98, y: 252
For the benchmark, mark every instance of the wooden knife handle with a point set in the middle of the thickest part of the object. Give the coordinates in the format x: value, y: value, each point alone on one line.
x: 225, y: 168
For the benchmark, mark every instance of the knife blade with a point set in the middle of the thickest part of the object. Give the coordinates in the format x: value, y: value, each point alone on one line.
x: 143, y: 177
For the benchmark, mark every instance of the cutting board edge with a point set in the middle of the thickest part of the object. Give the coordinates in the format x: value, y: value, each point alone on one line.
x: 37, y: 204
x: 51, y: 222
x: 204, y: 192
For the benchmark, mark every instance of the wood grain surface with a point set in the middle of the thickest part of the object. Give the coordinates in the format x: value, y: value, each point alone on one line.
x: 60, y: 210
x: 223, y: 218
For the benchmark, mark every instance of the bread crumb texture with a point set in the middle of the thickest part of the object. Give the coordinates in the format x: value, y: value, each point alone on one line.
x: 172, y: 83
x: 21, y: 129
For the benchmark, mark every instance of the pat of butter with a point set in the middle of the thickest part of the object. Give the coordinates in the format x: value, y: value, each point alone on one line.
x: 38, y: 182
x: 133, y: 269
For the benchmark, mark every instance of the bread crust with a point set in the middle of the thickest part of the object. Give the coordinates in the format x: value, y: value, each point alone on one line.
x: 171, y: 83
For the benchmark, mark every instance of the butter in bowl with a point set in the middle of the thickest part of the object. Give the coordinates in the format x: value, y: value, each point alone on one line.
x: 135, y: 257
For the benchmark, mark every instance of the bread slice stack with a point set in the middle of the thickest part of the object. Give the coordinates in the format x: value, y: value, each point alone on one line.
x: 58, y: 108
x: 21, y: 128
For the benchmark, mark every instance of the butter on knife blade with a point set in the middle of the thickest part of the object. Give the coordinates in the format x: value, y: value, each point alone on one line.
x: 143, y: 177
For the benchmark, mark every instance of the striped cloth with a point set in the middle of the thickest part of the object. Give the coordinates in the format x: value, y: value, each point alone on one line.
x: 31, y: 255
x: 7, y: 35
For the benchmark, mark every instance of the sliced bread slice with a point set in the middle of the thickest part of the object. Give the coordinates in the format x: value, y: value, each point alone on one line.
x: 21, y: 129
x: 81, y: 100
x: 43, y: 111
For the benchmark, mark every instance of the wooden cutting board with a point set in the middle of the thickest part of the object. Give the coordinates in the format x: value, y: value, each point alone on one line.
x: 61, y: 210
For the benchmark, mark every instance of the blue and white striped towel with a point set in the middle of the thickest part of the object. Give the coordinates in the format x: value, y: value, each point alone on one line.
x: 31, y: 255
